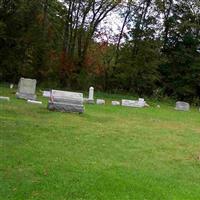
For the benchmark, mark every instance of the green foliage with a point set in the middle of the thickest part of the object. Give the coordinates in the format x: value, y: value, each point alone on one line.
x: 56, y: 44
x: 181, y: 72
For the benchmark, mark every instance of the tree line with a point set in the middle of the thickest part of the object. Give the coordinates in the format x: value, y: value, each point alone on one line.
x: 61, y: 44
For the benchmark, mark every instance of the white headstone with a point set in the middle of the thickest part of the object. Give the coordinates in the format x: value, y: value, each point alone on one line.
x: 34, y: 102
x: 133, y: 103
x: 182, y: 106
x: 5, y: 98
x: 90, y: 99
x: 100, y: 101
x: 11, y: 86
x: 115, y: 103
x: 91, y: 93
x: 141, y: 99
x: 46, y: 94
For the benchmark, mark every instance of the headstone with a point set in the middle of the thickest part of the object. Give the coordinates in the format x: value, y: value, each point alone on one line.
x: 46, y: 94
x: 34, y: 102
x: 133, y: 103
x: 182, y: 106
x: 11, y: 86
x: 115, y: 103
x: 91, y: 95
x: 26, y: 89
x: 64, y: 101
x: 5, y: 98
x: 141, y: 99
x: 158, y: 106
x: 100, y: 101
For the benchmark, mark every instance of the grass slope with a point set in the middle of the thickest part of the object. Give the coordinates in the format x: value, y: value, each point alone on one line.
x: 107, y: 153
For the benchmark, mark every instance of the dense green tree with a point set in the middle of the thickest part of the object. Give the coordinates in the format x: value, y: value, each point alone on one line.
x: 59, y: 43
x: 181, y: 71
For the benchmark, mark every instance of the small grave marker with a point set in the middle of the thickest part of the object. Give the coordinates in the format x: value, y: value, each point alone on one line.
x: 5, y: 98
x: 115, y: 103
x: 182, y: 106
x: 100, y: 101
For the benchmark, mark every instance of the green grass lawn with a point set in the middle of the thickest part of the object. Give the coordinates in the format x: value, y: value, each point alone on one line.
x: 106, y: 153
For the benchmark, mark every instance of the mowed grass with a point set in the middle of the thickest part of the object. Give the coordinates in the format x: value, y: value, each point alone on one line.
x: 106, y: 153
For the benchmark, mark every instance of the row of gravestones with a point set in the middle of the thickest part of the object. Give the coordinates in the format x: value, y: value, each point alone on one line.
x: 73, y: 102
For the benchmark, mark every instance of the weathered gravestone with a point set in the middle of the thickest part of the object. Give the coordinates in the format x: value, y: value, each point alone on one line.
x: 91, y: 95
x: 182, y: 106
x: 115, y: 103
x: 64, y: 101
x: 46, y: 94
x: 26, y: 89
x: 5, y: 98
x: 100, y: 101
x: 132, y: 103
x: 90, y: 99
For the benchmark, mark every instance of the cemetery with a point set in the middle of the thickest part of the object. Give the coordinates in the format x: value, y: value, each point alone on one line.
x: 116, y: 141
x: 99, y: 100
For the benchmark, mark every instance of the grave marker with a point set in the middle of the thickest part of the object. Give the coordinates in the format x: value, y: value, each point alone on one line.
x: 182, y: 106
x: 64, y: 101
x: 26, y: 89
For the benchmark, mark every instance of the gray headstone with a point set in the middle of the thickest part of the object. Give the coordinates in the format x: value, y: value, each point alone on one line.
x: 26, y: 89
x: 64, y: 101
x: 182, y: 106
x: 132, y: 103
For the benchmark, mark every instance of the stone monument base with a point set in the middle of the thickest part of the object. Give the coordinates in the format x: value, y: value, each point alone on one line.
x: 63, y: 107
x: 26, y: 96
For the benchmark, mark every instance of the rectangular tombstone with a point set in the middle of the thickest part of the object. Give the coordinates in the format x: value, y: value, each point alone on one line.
x: 100, y: 101
x: 26, y: 89
x: 5, y: 98
x: 115, y: 103
x: 182, y: 106
x: 133, y: 103
x: 46, y: 94
x: 64, y: 101
x: 59, y: 95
